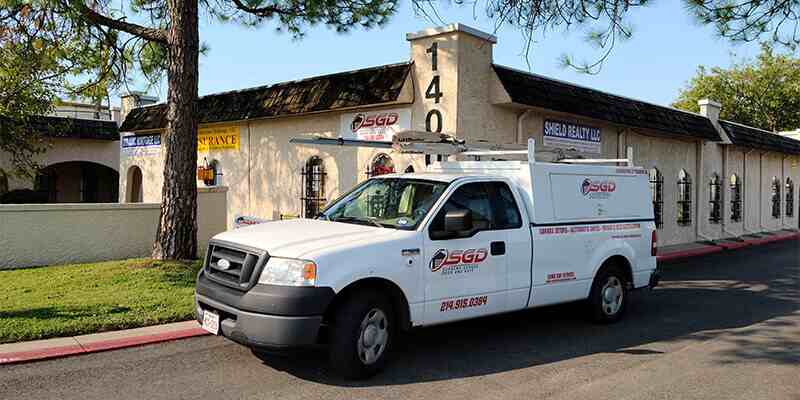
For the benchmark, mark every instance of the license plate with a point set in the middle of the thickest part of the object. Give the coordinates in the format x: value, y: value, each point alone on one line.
x: 211, y: 322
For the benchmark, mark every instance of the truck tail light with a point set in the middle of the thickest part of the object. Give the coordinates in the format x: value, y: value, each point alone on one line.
x: 654, y: 244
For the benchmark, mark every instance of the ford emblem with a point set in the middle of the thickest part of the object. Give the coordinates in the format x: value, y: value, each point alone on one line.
x: 223, y: 264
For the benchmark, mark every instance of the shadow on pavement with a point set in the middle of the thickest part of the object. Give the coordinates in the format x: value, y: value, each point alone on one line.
x: 696, y: 300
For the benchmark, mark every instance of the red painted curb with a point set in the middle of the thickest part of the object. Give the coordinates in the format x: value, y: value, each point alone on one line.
x: 122, y: 343
x: 689, y: 253
x: 112, y: 344
x: 734, y: 245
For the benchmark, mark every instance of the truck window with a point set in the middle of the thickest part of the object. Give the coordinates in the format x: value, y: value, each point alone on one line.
x: 504, y: 207
x: 391, y: 202
x: 473, y: 197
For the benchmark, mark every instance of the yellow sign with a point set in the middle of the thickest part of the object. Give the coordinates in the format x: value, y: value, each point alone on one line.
x: 218, y: 138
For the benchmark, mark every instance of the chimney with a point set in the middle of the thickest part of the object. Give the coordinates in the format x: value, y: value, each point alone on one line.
x: 709, y: 109
x: 133, y: 100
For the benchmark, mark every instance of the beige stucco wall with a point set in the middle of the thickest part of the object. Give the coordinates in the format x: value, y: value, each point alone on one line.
x: 51, y: 234
x: 102, y: 152
x: 263, y: 177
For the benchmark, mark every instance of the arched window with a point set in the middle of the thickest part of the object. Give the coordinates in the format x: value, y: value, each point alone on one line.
x: 776, y: 197
x: 789, y: 197
x: 134, y: 190
x: 736, y: 198
x: 684, y: 198
x: 313, y: 187
x: 714, y: 200
x: 657, y: 191
x: 381, y: 165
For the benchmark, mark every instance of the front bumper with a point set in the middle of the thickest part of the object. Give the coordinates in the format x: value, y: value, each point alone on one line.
x: 265, y: 316
x: 261, y: 330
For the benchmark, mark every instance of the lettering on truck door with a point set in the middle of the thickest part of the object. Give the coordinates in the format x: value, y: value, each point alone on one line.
x: 466, y: 273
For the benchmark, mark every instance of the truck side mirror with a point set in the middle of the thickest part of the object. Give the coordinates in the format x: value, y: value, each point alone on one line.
x: 457, y: 221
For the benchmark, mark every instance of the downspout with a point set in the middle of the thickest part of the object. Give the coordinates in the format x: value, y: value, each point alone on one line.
x: 520, y: 120
x: 249, y: 169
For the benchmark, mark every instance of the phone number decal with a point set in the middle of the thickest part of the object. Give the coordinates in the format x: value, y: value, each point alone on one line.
x: 467, y: 302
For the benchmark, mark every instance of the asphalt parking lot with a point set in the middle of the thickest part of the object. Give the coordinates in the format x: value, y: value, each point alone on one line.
x: 724, y: 326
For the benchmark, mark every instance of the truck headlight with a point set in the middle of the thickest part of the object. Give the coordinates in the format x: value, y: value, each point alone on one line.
x: 289, y: 272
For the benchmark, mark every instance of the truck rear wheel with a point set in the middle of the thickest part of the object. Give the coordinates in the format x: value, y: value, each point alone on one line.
x: 609, y: 296
x: 361, y: 334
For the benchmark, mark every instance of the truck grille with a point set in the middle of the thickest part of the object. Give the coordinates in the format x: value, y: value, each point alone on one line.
x: 234, y: 266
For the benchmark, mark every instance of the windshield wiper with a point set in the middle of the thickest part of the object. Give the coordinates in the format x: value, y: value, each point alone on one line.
x: 357, y: 220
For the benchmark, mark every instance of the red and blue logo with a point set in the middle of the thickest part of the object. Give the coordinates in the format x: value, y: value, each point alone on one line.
x: 588, y: 187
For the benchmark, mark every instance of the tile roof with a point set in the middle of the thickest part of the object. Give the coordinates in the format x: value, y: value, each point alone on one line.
x: 746, y: 136
x: 370, y: 86
x: 539, y: 91
x: 75, y: 128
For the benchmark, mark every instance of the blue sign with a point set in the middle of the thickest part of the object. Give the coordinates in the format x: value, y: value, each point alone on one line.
x: 566, y: 135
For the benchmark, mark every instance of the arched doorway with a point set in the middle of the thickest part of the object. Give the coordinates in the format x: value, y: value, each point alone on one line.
x: 134, y: 188
x: 78, y: 182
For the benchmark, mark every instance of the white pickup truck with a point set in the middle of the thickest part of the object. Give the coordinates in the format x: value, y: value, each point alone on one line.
x: 461, y: 240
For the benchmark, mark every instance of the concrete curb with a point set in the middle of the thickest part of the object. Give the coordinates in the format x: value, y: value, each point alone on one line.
x: 723, y: 246
x: 14, y: 353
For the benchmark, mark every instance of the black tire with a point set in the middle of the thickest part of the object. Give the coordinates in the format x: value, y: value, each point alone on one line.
x: 605, y: 312
x: 346, y: 335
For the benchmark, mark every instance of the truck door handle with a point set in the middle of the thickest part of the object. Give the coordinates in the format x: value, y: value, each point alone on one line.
x: 498, y: 248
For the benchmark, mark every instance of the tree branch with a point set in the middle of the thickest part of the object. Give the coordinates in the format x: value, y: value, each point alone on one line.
x: 151, y: 34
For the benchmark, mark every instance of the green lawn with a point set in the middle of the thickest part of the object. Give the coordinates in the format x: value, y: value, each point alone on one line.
x: 69, y: 300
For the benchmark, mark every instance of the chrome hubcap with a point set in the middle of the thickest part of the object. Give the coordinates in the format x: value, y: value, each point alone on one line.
x: 373, y: 337
x: 612, y: 296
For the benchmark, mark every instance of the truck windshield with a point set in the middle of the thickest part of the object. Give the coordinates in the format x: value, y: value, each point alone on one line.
x: 387, y: 202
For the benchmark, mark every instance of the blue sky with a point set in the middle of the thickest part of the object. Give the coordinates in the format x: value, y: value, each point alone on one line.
x: 663, y: 54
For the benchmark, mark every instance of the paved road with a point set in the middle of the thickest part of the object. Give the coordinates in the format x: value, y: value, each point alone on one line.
x: 726, y: 326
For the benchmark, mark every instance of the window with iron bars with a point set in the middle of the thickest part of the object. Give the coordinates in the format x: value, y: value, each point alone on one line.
x: 736, y: 199
x: 657, y: 191
x: 789, y: 197
x: 684, y: 198
x: 313, y: 198
x: 776, y: 197
x: 715, y: 200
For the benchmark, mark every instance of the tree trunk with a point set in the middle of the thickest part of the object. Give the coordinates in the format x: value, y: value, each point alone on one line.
x: 176, y: 237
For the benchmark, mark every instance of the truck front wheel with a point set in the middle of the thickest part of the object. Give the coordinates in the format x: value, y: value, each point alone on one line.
x: 609, y: 296
x: 362, y: 332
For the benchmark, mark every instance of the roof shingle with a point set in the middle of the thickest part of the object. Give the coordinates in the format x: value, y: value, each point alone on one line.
x: 746, y: 136
x: 370, y: 86
x: 538, y: 91
x: 74, y: 128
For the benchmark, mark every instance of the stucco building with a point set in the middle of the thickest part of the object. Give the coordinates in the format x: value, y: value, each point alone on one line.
x: 710, y: 178
x: 80, y: 164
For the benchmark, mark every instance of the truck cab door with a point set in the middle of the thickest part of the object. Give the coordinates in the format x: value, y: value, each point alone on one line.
x: 466, y: 274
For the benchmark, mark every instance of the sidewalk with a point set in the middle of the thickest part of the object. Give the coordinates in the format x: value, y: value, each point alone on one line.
x: 62, y: 347
x: 681, y: 251
x: 69, y: 346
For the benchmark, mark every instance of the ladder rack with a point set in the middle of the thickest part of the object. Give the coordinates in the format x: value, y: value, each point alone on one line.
x: 418, y: 142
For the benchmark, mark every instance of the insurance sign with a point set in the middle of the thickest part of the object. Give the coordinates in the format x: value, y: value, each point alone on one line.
x: 218, y: 138
x: 567, y: 135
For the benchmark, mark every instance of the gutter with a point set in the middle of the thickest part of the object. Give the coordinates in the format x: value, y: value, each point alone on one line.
x: 520, y: 119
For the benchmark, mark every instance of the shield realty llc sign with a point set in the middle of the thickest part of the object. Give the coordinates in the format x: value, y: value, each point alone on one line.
x: 566, y: 135
x: 375, y: 125
x: 218, y: 138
